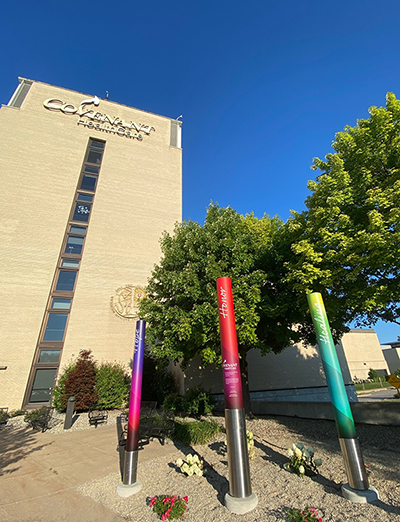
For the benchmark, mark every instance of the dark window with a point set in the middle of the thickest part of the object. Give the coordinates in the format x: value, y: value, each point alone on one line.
x: 42, y: 385
x: 70, y: 263
x: 92, y: 170
x: 94, y: 157
x: 78, y: 230
x: 66, y: 281
x: 74, y: 245
x: 49, y: 356
x: 84, y: 197
x: 81, y: 212
x: 59, y: 303
x: 97, y: 144
x: 88, y: 182
x: 55, y: 327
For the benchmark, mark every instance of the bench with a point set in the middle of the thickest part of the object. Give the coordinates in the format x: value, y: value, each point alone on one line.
x: 42, y: 419
x: 157, y: 424
x: 97, y: 415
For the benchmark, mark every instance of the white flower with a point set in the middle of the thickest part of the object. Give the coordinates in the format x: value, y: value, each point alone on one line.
x: 189, y: 458
x: 294, y: 447
x: 190, y: 471
x: 185, y: 468
x: 290, y: 452
x: 179, y: 462
x: 195, y: 458
x: 301, y: 470
x: 318, y: 462
x: 198, y: 472
x: 298, y: 453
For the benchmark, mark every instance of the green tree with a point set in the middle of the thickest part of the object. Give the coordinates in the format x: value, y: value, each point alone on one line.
x: 181, y: 308
x: 346, y: 244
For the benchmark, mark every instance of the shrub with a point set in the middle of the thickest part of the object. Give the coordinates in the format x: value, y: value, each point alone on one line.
x: 173, y: 402
x: 31, y: 415
x: 373, y: 375
x: 80, y: 382
x: 59, y: 396
x: 4, y: 416
x: 112, y: 385
x: 198, y: 402
x: 16, y: 413
x: 196, y: 432
x: 397, y: 373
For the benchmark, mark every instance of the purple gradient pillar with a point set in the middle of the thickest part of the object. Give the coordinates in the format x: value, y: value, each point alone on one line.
x: 129, y: 484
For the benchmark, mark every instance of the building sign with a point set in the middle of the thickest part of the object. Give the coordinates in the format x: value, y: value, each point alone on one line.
x: 99, y: 121
x: 125, y: 301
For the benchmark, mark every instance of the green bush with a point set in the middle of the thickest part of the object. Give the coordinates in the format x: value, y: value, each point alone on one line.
x: 397, y: 373
x: 198, y: 401
x: 173, y: 402
x: 196, y: 432
x: 112, y: 385
x: 4, y: 416
x: 16, y: 413
x: 373, y: 375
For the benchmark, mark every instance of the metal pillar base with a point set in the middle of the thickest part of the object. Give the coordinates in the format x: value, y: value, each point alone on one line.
x: 238, y: 456
x: 130, y: 467
x: 360, y: 497
x: 354, y: 464
x: 240, y: 506
x: 126, y: 491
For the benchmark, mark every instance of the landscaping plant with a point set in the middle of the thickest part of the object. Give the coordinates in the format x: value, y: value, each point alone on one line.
x: 196, y: 432
x: 301, y: 460
x: 112, y: 385
x: 193, y: 465
x: 307, y: 515
x: 197, y: 402
x: 169, y: 506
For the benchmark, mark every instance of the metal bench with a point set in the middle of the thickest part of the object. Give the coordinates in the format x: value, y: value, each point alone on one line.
x: 42, y: 419
x: 158, y: 424
x: 97, y: 415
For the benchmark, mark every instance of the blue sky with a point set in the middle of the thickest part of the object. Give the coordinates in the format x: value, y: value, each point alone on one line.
x: 262, y: 86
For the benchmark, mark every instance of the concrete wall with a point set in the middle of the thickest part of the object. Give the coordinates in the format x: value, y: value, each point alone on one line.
x: 364, y: 412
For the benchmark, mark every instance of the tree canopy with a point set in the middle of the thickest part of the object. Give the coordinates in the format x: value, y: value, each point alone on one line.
x: 347, y: 243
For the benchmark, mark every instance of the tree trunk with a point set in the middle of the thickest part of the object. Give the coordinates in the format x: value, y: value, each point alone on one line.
x: 245, y: 382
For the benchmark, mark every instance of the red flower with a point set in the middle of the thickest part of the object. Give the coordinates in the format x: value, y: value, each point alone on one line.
x: 185, y: 499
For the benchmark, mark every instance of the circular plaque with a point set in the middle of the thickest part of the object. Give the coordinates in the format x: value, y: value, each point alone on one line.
x: 125, y: 301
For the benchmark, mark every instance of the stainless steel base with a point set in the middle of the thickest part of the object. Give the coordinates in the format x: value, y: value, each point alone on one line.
x: 130, y: 467
x: 238, y: 457
x: 354, y: 464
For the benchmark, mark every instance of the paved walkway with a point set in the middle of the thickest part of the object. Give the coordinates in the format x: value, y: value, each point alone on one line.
x: 40, y: 471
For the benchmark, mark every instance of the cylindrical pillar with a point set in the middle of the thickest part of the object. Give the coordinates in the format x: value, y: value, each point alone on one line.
x: 129, y: 484
x: 69, y: 413
x: 354, y: 464
x: 240, y: 498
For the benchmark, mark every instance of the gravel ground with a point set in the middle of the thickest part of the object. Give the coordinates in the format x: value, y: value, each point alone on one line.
x: 276, y: 488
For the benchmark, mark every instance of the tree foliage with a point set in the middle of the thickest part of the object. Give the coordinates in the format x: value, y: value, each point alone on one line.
x: 347, y: 243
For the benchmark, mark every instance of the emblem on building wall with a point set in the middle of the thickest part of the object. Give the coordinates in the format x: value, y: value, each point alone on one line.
x: 125, y: 301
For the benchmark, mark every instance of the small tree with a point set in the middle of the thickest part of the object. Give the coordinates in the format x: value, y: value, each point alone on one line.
x: 81, y: 381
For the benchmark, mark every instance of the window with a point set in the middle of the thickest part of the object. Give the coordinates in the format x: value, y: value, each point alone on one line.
x: 66, y: 281
x: 42, y: 385
x: 55, y: 327
x: 20, y: 93
x: 55, y: 322
x: 58, y: 303
x: 74, y: 244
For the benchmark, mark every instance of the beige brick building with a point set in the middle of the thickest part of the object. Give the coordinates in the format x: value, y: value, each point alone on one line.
x: 88, y: 187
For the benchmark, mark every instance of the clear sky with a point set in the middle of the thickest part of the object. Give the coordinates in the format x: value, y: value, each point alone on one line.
x: 263, y: 86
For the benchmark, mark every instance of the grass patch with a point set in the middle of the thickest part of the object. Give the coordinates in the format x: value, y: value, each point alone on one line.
x: 372, y: 386
x: 196, y: 432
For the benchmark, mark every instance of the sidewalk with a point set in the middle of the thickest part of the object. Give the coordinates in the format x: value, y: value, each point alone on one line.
x: 40, y: 471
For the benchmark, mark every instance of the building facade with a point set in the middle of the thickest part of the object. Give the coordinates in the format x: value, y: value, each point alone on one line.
x: 88, y: 188
x: 296, y: 374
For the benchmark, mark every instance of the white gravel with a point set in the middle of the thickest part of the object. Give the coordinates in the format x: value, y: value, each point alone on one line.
x: 276, y: 488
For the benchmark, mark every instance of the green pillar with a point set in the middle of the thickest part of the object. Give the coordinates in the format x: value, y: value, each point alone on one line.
x: 334, y: 378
